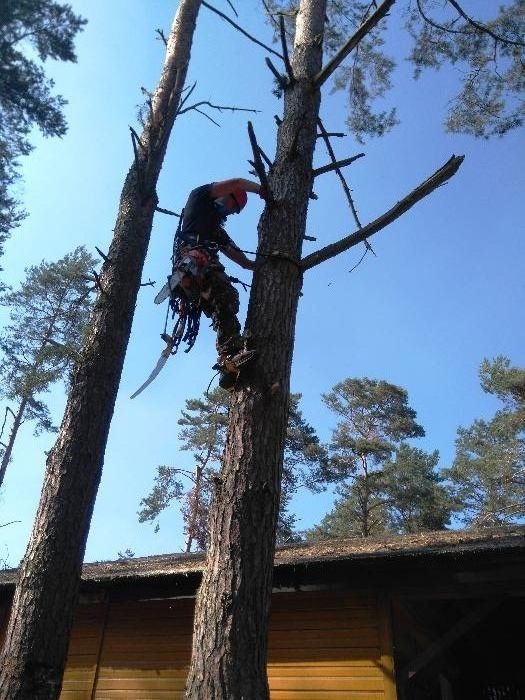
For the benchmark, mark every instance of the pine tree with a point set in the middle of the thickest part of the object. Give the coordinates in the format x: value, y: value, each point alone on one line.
x: 36, y: 642
x: 487, y: 476
x: 31, y: 32
x: 204, y: 423
x: 48, y: 316
x: 374, y: 419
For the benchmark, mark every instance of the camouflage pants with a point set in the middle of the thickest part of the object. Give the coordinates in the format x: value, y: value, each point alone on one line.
x: 220, y: 302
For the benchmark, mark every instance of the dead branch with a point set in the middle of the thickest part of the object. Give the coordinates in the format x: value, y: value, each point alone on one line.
x: 98, y: 283
x: 257, y: 162
x: 343, y: 52
x: 346, y: 188
x: 219, y: 108
x: 281, y: 79
x: 240, y: 29
x: 337, y: 134
x: 166, y: 211
x: 425, y: 188
x: 162, y: 36
x: 103, y: 256
x: 336, y: 165
x: 265, y: 158
x: 12, y: 522
x: 284, y: 44
x: 186, y: 97
x: 149, y: 283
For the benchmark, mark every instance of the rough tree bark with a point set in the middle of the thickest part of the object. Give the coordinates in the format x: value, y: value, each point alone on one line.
x: 36, y: 643
x: 229, y: 643
x: 230, y: 630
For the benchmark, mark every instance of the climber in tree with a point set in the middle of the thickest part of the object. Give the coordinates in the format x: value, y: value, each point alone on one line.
x: 204, y: 216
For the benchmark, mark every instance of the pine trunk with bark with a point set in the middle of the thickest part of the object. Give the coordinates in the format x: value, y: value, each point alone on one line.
x: 230, y: 633
x: 37, y: 638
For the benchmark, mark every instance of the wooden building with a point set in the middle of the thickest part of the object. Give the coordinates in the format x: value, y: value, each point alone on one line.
x: 436, y: 615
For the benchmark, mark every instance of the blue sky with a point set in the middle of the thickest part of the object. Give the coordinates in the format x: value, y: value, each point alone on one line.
x: 445, y: 290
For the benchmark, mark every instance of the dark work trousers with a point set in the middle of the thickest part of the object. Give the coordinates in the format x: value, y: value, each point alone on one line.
x: 220, y: 302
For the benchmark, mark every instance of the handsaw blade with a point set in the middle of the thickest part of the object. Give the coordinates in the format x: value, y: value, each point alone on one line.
x: 156, y: 370
x: 170, y: 285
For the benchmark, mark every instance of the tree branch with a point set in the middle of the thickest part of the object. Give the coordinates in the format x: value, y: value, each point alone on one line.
x: 240, y: 29
x: 281, y: 79
x: 343, y: 52
x: 482, y: 27
x: 336, y: 165
x: 284, y: 44
x: 259, y: 167
x: 425, y: 188
x: 167, y: 211
x: 220, y: 108
x: 344, y: 183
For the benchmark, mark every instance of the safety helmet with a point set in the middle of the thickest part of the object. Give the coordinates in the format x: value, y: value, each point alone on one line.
x: 240, y: 197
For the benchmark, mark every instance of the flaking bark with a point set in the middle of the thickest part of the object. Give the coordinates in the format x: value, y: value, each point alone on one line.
x: 36, y: 643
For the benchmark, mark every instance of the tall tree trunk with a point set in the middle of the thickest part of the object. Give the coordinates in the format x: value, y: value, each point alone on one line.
x: 230, y: 634
x: 37, y: 637
x: 17, y: 422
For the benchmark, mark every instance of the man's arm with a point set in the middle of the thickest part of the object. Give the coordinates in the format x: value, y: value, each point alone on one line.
x: 238, y: 257
x: 226, y: 187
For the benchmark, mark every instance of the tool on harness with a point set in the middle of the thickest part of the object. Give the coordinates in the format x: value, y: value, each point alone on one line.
x: 183, y: 288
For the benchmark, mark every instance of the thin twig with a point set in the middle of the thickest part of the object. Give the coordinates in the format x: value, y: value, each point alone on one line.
x: 97, y: 282
x: 220, y: 108
x: 346, y: 188
x: 425, y: 188
x: 12, y: 522
x: 483, y: 28
x: 242, y: 31
x: 343, y: 52
x: 186, y: 97
x: 161, y: 34
x: 336, y: 165
x: 148, y: 284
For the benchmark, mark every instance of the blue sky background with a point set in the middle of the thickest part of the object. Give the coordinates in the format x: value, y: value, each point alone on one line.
x: 445, y: 290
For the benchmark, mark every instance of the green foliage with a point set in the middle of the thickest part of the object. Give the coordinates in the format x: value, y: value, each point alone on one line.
x: 489, y: 56
x: 48, y: 314
x: 487, y: 476
x: 374, y: 419
x: 31, y: 31
x: 204, y: 424
x: 414, y: 496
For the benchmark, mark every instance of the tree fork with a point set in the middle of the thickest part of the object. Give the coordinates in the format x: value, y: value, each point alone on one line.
x: 37, y: 638
x: 230, y: 634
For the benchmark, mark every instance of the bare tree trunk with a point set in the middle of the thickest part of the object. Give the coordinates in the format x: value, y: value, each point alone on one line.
x: 230, y: 634
x: 17, y: 422
x: 37, y: 637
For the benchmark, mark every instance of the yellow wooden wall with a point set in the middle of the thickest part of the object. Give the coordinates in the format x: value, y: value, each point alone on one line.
x: 322, y: 646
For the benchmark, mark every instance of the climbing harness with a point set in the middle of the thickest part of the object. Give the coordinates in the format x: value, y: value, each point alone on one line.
x: 183, y: 288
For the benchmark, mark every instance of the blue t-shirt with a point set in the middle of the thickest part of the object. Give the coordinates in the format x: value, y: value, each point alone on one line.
x: 202, y: 222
